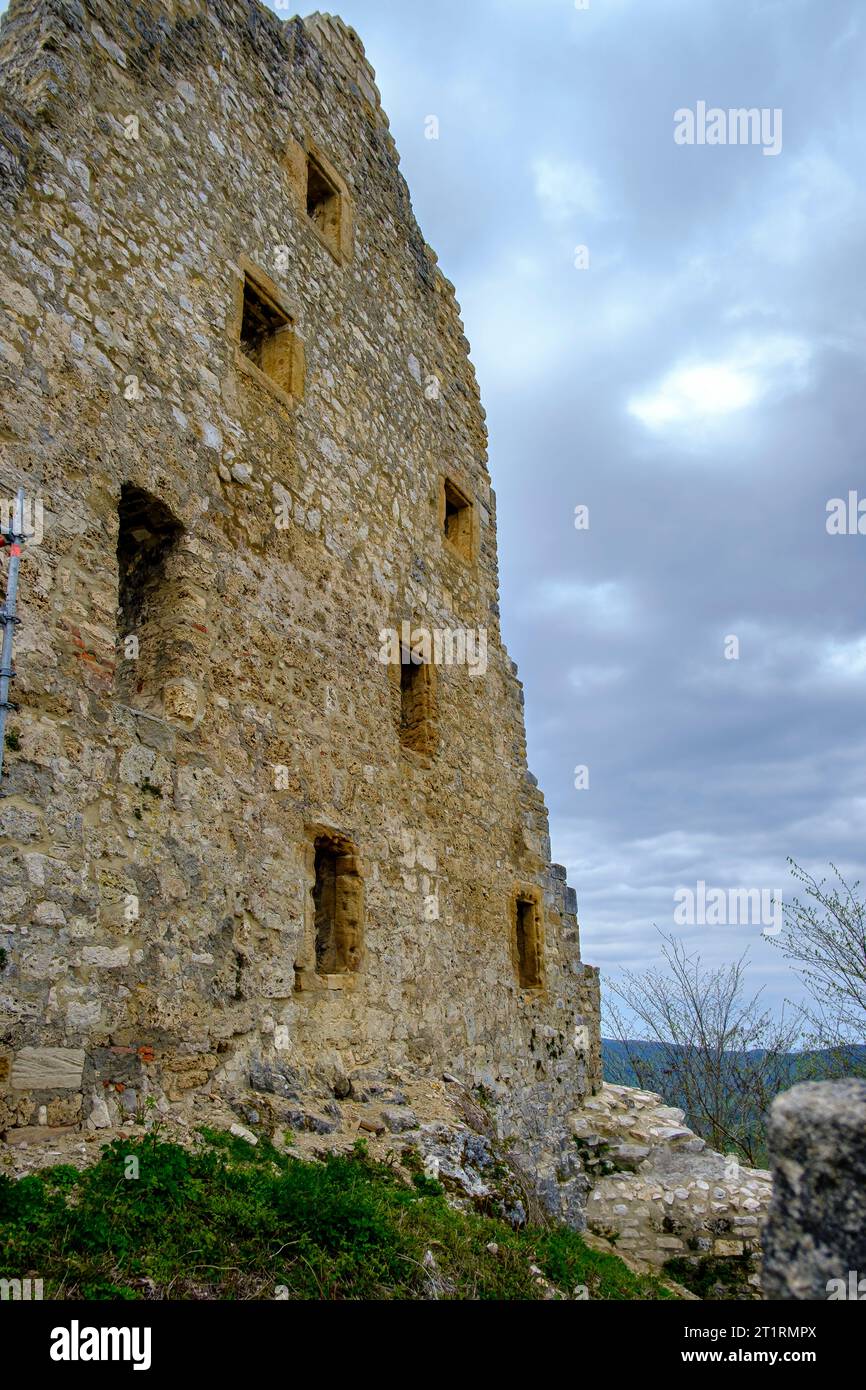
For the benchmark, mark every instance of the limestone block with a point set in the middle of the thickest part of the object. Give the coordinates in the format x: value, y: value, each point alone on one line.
x: 182, y: 1073
x: 48, y: 1069
x: 399, y: 1121
x: 181, y: 699
x: 64, y: 1110
x: 106, y: 957
x: 728, y: 1247
x: 36, y: 1134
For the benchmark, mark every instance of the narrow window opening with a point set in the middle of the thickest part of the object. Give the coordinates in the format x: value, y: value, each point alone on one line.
x: 150, y: 596
x: 528, y: 944
x: 338, y: 904
x: 457, y: 520
x: 417, y: 731
x: 267, y: 336
x: 324, y: 204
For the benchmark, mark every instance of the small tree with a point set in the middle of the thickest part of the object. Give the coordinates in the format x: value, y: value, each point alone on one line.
x: 707, y: 1047
x: 825, y: 937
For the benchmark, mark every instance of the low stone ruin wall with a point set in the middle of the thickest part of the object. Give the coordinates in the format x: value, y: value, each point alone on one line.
x: 660, y: 1194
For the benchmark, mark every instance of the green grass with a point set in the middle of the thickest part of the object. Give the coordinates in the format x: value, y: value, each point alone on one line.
x: 232, y: 1221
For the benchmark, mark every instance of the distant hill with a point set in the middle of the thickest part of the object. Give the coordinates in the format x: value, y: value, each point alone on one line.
x: 619, y: 1071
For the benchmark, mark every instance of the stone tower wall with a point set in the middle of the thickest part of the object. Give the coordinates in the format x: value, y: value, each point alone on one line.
x: 160, y: 820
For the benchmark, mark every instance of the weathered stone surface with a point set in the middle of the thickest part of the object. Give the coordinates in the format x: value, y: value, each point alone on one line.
x: 399, y: 1121
x: 241, y: 1132
x: 36, y: 1134
x: 47, y: 1069
x: 816, y: 1231
x: 467, y: 1164
x: 181, y: 1073
x: 318, y: 1124
x: 629, y: 1155
x: 277, y: 1080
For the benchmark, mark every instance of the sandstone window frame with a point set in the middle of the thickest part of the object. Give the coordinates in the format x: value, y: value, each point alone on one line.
x: 458, y: 518
x: 527, y: 937
x: 345, y: 949
x: 254, y: 282
x: 418, y: 729
x: 321, y: 197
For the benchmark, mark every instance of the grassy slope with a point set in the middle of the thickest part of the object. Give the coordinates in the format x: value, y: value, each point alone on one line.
x: 231, y: 1221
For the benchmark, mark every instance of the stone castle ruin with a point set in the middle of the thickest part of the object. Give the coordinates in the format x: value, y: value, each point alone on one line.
x: 267, y: 826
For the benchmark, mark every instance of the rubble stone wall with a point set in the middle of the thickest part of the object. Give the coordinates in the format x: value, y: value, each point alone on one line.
x: 659, y: 1193
x: 230, y: 364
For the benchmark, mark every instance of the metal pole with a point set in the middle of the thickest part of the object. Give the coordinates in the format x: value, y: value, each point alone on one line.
x: 8, y: 620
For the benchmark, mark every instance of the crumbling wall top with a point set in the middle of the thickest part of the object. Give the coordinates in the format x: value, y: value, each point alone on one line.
x: 345, y: 51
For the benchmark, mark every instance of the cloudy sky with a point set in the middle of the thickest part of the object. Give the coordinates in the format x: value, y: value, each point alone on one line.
x: 699, y: 387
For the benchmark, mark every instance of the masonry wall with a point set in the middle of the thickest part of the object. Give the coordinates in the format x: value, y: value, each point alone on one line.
x: 159, y: 828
